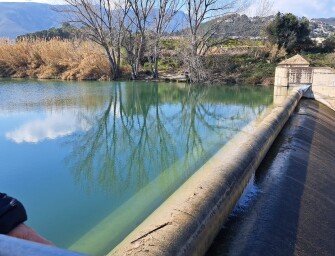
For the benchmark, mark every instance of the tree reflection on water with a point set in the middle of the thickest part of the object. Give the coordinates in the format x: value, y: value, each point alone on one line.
x: 127, y: 146
x: 141, y: 130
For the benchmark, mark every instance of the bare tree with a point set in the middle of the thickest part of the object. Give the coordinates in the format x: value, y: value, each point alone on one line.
x: 165, y: 11
x: 131, y: 46
x: 200, y: 37
x: 262, y: 8
x: 103, y: 22
x: 140, y: 10
x: 122, y: 8
x: 200, y: 11
x: 148, y: 21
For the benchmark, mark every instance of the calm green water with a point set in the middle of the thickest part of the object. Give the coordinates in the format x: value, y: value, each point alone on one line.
x: 98, y: 157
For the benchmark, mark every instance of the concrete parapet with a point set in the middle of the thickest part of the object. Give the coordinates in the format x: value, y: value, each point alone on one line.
x: 189, y: 220
x: 323, y: 88
x: 324, y: 77
x: 280, y: 93
x: 281, y: 77
x: 322, y: 80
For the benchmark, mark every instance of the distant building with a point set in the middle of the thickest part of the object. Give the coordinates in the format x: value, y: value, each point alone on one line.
x: 296, y: 61
x: 319, y: 40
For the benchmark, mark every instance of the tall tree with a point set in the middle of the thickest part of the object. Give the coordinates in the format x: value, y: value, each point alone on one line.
x: 139, y: 15
x: 200, y: 37
x: 289, y: 32
x: 199, y: 11
x: 102, y: 23
x: 165, y: 11
x: 261, y: 8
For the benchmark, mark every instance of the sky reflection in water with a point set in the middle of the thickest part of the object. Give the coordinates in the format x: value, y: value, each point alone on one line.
x: 78, y: 153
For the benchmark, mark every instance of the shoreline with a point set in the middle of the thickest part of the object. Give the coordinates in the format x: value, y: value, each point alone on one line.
x: 166, y: 79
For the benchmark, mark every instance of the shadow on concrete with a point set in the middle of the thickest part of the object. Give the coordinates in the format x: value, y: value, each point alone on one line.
x: 289, y: 208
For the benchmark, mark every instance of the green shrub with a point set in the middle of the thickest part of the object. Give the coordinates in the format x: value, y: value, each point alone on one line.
x: 329, y: 44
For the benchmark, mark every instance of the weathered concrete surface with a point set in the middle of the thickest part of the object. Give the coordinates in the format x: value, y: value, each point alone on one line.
x: 291, y: 208
x: 296, y: 72
x: 189, y: 220
x: 323, y: 88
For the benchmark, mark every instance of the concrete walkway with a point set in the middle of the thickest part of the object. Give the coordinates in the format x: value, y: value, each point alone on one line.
x: 289, y: 209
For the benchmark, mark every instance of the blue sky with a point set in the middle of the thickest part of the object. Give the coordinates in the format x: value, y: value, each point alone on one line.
x: 307, y: 8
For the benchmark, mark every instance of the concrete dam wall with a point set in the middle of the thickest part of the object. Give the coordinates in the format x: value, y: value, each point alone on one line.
x: 290, y: 209
x: 187, y: 223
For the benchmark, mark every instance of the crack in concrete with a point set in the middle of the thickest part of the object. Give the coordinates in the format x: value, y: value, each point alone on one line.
x: 151, y: 231
x: 184, y: 212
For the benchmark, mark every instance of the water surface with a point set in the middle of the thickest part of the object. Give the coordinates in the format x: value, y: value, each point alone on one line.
x: 91, y: 160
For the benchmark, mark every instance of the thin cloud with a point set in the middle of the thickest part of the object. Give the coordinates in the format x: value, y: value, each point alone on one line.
x: 307, y: 8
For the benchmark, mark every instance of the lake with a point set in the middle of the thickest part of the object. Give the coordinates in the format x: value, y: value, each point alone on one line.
x: 91, y: 160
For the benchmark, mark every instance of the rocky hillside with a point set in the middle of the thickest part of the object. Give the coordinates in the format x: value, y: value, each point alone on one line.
x: 330, y: 21
x: 239, y: 26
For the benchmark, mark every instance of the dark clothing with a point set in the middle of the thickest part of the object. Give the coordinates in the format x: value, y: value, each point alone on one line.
x: 12, y: 213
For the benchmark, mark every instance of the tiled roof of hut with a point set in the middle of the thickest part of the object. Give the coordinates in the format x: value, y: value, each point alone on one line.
x: 295, y: 60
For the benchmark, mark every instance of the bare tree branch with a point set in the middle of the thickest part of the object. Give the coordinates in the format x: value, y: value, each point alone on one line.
x: 103, y: 22
x: 200, y: 36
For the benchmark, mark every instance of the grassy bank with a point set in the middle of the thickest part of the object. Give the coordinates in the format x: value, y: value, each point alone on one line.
x: 241, y: 68
x: 73, y: 60
x: 54, y: 59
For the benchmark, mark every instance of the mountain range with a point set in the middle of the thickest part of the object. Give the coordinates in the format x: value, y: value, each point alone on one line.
x: 22, y: 18
x: 330, y: 21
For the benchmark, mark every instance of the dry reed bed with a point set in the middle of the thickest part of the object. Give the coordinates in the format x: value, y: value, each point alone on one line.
x: 54, y: 59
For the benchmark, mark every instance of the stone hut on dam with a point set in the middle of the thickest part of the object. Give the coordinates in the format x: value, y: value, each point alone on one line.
x: 296, y: 72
